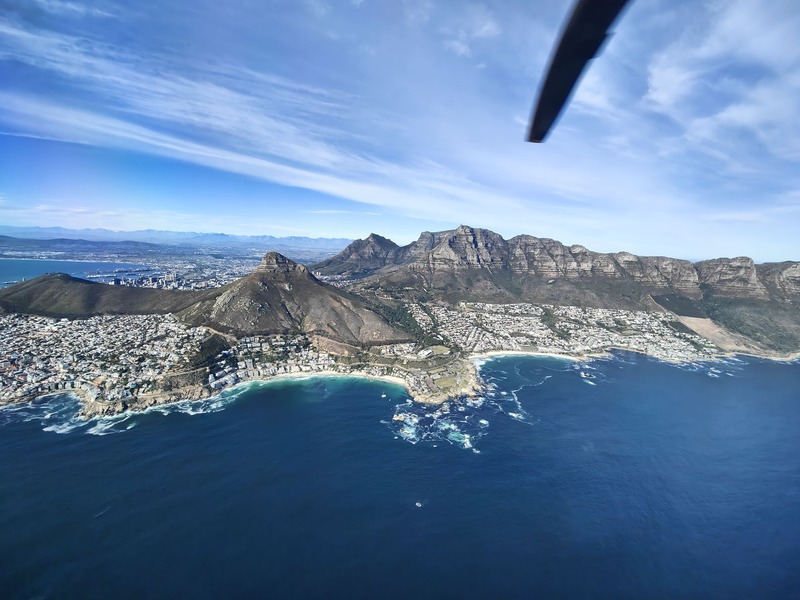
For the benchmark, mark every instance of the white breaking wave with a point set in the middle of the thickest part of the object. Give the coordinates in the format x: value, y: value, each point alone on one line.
x: 461, y: 422
x: 60, y: 413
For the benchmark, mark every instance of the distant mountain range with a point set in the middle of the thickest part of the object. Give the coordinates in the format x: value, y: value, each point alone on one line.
x: 761, y: 302
x: 155, y: 236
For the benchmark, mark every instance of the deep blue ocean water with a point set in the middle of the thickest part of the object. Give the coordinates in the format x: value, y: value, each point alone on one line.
x: 16, y: 269
x: 618, y: 478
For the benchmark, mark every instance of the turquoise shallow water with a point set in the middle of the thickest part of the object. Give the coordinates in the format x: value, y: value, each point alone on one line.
x: 619, y: 478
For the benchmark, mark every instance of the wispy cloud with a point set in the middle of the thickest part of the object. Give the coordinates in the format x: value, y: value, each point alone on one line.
x: 458, y: 47
x: 319, y: 8
x: 337, y: 211
x: 67, y: 8
x: 736, y: 83
x: 417, y: 12
x: 475, y: 23
x: 272, y: 131
x: 737, y: 217
x: 679, y: 116
x: 270, y: 117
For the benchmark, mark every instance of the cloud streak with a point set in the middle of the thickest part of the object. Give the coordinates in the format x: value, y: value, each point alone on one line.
x: 677, y: 117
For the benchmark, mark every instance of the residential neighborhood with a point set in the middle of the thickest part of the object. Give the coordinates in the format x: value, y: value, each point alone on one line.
x: 114, y: 358
x: 479, y: 327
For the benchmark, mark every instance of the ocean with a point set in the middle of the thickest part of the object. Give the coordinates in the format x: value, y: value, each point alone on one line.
x: 617, y: 478
x: 17, y: 269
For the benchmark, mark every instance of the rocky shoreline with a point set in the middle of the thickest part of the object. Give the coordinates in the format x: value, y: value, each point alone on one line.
x: 430, y: 375
x: 471, y: 386
x: 93, y: 408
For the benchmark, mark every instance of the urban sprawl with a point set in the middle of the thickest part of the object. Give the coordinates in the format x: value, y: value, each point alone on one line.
x: 109, y: 359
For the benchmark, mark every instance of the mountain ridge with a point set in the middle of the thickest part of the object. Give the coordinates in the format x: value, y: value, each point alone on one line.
x: 466, y: 248
x: 158, y: 236
x: 759, y: 302
x: 279, y: 296
x: 473, y: 264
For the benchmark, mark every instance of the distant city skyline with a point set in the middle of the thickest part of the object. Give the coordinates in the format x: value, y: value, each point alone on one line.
x: 340, y: 118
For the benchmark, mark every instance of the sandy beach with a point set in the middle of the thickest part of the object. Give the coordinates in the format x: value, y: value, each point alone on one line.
x: 311, y: 374
x: 496, y: 353
x: 93, y: 408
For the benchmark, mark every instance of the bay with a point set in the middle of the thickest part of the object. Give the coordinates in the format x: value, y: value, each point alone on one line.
x: 17, y: 269
x: 617, y: 478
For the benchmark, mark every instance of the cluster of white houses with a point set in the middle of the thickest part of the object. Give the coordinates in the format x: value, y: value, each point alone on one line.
x: 119, y: 357
x: 112, y: 357
x: 481, y: 327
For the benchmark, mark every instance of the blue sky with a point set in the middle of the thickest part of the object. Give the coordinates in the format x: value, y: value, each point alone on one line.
x: 340, y: 118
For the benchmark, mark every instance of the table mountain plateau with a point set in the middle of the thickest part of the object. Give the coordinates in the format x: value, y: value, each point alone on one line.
x: 761, y: 302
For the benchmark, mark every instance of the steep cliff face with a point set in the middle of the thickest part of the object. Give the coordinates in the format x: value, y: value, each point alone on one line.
x: 760, y: 301
x: 360, y: 258
x: 464, y: 248
x: 736, y: 277
x: 416, y: 252
x: 781, y: 279
x: 660, y: 274
x: 526, y: 258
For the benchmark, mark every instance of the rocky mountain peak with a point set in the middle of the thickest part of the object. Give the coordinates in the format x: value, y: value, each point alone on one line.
x: 467, y: 247
x: 732, y: 276
x: 274, y: 261
x: 360, y: 257
x: 379, y: 240
x: 475, y: 233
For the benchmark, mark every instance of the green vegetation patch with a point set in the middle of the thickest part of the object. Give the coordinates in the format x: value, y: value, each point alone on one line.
x: 446, y: 383
x: 680, y: 305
